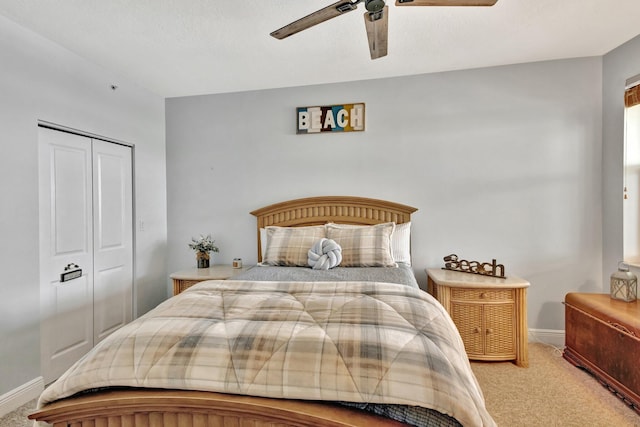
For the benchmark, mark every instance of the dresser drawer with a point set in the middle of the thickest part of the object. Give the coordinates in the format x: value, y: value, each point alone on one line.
x: 482, y: 295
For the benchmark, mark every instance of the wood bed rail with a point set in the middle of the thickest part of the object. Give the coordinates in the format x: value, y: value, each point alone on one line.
x: 183, y: 408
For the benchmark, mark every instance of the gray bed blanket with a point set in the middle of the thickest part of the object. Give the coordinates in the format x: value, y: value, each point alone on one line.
x: 403, y: 274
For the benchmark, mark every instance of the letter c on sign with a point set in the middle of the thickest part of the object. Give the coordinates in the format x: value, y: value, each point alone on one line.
x: 342, y: 118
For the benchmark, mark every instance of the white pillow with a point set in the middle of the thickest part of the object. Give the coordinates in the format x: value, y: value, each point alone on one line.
x: 401, y: 243
x: 263, y: 241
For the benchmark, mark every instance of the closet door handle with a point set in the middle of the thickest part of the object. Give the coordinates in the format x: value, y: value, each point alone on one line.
x: 71, y: 271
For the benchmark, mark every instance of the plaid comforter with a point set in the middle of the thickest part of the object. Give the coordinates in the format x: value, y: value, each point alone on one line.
x: 336, y: 341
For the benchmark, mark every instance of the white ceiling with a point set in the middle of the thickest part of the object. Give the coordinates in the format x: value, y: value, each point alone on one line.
x: 193, y: 47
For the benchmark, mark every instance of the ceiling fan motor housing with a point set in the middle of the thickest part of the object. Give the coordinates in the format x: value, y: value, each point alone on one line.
x: 374, y: 5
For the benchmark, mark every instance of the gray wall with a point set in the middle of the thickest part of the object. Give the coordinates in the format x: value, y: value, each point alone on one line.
x: 618, y: 65
x: 502, y: 163
x: 41, y: 81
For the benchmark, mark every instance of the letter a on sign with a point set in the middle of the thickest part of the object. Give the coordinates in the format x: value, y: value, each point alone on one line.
x: 331, y: 118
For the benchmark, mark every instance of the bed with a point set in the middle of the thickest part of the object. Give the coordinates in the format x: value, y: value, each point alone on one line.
x: 364, y: 345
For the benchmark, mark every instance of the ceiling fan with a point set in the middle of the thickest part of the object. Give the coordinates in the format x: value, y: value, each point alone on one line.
x: 375, y: 18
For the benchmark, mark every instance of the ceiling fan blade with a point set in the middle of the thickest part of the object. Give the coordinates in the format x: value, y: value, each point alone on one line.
x: 445, y: 2
x: 377, y: 24
x: 324, y: 14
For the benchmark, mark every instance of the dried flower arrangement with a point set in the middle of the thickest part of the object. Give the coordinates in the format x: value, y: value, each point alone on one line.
x: 203, y: 244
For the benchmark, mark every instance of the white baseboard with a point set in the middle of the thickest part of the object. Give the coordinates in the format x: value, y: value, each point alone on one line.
x: 547, y: 336
x: 19, y: 396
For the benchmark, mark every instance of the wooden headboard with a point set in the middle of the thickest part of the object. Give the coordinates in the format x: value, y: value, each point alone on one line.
x: 338, y: 209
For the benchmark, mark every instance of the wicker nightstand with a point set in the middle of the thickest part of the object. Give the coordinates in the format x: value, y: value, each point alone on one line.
x: 490, y: 313
x: 186, y: 278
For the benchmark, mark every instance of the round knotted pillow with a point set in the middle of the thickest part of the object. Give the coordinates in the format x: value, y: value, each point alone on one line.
x: 324, y: 254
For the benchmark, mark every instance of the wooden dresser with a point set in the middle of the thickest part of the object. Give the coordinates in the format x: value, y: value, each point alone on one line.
x: 602, y: 336
x: 186, y: 278
x: 490, y: 313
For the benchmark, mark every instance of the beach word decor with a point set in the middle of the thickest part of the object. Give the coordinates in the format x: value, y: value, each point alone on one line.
x: 451, y: 262
x: 331, y: 118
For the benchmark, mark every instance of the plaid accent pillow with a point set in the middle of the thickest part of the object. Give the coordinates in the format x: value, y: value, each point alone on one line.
x: 288, y: 246
x: 364, y: 246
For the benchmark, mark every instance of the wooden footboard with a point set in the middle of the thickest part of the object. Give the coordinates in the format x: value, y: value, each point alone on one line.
x: 178, y: 408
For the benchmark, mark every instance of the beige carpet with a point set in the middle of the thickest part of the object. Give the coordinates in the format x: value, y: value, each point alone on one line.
x: 551, y: 392
x: 18, y: 418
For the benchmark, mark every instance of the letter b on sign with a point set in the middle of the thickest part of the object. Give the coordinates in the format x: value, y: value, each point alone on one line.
x: 303, y: 120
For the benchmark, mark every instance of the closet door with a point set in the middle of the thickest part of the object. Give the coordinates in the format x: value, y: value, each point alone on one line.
x: 66, y: 237
x: 112, y: 238
x: 85, y: 220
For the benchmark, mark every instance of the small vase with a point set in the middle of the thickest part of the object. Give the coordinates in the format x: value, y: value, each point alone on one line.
x: 203, y: 259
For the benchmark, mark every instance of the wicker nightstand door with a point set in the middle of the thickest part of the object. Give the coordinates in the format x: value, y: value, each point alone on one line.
x: 500, y: 330
x: 468, y: 320
x: 490, y: 313
x: 486, y: 325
